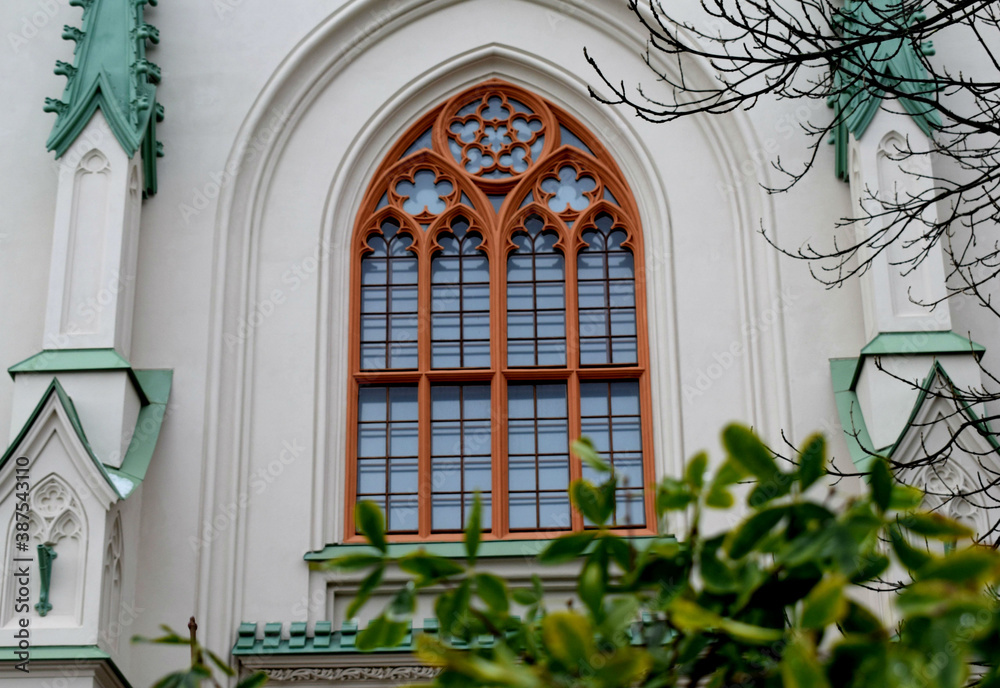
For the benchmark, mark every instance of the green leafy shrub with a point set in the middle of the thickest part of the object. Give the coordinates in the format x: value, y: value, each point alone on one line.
x: 773, y: 601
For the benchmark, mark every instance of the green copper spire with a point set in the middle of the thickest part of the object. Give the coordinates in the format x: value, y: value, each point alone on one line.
x: 893, y: 61
x: 110, y: 71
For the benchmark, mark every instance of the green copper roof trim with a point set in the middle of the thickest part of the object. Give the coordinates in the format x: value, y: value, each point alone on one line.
x: 56, y: 652
x: 138, y: 456
x: 74, y: 420
x: 154, y: 390
x: 110, y: 71
x: 842, y: 372
x: 489, y: 549
x: 78, y: 360
x: 922, y: 343
x: 937, y: 370
x: 324, y: 640
x: 898, y: 63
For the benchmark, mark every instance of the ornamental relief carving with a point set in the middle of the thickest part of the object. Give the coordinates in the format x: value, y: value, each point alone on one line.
x: 381, y: 674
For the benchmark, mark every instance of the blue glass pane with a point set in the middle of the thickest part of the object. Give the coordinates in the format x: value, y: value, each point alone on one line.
x: 623, y: 350
x: 622, y: 294
x: 373, y: 356
x: 403, y: 477
x: 610, y: 417
x: 552, y: 353
x: 554, y: 512
x: 371, y: 476
x: 476, y: 297
x: 403, y: 403
x: 569, y: 191
x: 594, y: 352
x: 593, y: 295
x: 461, y: 452
x: 373, y: 271
x: 623, y: 322
x: 523, y: 512
x: 520, y: 354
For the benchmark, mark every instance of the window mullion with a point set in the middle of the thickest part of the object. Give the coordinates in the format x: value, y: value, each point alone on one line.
x: 424, y: 388
x: 573, y: 363
x: 497, y: 253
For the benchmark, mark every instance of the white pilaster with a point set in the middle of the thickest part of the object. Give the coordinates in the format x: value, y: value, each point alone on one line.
x: 94, y: 248
x: 893, y: 290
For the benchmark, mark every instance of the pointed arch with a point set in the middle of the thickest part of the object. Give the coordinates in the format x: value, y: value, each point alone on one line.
x: 500, y: 371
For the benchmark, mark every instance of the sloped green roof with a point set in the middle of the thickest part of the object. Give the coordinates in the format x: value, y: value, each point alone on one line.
x: 110, y: 71
x: 895, y: 60
x: 56, y: 389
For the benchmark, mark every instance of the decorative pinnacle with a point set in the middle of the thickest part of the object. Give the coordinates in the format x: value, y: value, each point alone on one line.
x: 150, y: 32
x: 81, y: 3
x: 71, y: 33
x: 152, y: 71
x: 64, y: 69
x: 159, y: 112
x: 54, y: 105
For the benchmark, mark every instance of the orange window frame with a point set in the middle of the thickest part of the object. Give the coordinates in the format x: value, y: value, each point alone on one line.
x: 382, y: 201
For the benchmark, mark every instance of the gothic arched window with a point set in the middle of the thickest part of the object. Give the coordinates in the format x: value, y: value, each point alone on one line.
x: 498, y: 312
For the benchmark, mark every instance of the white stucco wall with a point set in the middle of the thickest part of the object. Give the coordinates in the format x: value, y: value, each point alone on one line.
x: 318, y: 94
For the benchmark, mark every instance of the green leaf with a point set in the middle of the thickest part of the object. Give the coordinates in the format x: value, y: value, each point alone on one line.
x: 371, y: 523
x: 625, y: 667
x: 729, y: 473
x: 590, y: 502
x: 218, y: 662
x: 716, y: 575
x: 825, y: 604
x: 799, y: 666
x: 566, y: 547
x: 905, y: 497
x: 474, y: 529
x: 694, y: 474
x: 881, y: 483
x: 749, y: 452
x: 451, y: 609
x: 255, y: 680
x: 592, y: 586
x: 584, y: 448
x: 974, y: 564
x: 381, y: 632
x: 934, y: 525
x: 365, y: 591
x: 354, y: 562
x: 689, y: 616
x: 912, y: 558
x: 493, y: 591
x: 812, y: 461
x: 429, y: 568
x: 524, y: 597
x: 673, y: 495
x: 860, y: 619
x: 753, y: 530
x: 569, y: 637
x: 403, y: 604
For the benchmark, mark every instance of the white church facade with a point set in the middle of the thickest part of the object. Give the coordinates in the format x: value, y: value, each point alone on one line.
x: 281, y: 257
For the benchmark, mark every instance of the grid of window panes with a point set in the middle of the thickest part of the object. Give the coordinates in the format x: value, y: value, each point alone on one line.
x: 536, y: 300
x: 460, y: 306
x: 538, y: 457
x: 606, y: 285
x: 389, y: 296
x: 388, y: 453
x: 461, y: 457
x: 610, y: 417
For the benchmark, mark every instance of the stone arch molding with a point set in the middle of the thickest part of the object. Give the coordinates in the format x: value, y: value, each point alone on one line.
x: 277, y: 123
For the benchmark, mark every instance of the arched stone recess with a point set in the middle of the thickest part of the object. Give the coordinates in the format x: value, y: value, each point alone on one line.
x: 300, y: 165
x: 112, y: 584
x: 57, y: 520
